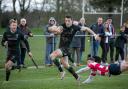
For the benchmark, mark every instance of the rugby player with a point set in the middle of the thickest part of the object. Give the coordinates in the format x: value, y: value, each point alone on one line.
x: 67, y: 32
x: 11, y: 39
x: 94, y: 65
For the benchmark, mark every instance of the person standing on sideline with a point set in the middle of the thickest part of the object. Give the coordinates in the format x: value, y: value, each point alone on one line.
x: 75, y: 46
x: 126, y: 32
x: 82, y: 48
x: 119, y: 44
x: 98, y: 28
x: 50, y: 41
x: 25, y: 31
x: 107, y: 38
x: 112, y: 39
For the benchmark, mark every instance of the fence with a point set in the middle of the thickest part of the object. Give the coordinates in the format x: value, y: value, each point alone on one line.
x: 38, y: 48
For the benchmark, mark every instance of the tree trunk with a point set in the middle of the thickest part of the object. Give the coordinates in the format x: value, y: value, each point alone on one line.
x: 0, y: 12
x: 14, y: 8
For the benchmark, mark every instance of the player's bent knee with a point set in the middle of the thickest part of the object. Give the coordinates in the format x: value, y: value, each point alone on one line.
x: 52, y: 56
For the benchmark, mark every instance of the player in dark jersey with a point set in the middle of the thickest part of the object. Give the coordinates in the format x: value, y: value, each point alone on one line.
x: 66, y: 31
x: 11, y: 39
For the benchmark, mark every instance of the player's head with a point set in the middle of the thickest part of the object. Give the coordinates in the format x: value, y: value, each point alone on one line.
x: 13, y: 25
x: 68, y: 21
x: 23, y: 21
x: 97, y: 59
x: 94, y: 59
x: 90, y: 59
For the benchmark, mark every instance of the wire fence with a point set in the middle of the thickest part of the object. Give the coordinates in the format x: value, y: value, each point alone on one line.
x: 38, y: 47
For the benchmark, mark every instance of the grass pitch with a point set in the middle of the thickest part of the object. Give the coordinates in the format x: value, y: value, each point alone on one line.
x: 48, y: 77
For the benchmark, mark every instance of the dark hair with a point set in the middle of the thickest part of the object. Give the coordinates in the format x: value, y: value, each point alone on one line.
x: 109, y: 18
x: 97, y: 59
x: 94, y: 58
x: 68, y: 16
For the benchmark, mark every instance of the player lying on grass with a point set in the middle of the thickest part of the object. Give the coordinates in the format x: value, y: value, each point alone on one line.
x: 93, y: 64
x: 67, y: 32
x: 11, y: 39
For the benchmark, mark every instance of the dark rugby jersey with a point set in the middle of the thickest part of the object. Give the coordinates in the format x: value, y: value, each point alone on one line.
x: 13, y: 40
x: 67, y: 35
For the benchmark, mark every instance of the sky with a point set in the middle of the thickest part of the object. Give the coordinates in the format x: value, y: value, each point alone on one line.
x: 8, y: 4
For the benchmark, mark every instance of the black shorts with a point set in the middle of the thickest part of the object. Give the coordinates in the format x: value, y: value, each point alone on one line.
x: 114, y: 69
x: 13, y: 56
x: 65, y: 51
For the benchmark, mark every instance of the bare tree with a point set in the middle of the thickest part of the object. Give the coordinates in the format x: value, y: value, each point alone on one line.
x: 24, y: 6
x: 0, y: 11
x: 58, y: 5
x: 14, y: 8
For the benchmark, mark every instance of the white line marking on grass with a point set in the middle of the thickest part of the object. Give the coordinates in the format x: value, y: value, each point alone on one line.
x: 34, y: 80
x: 30, y: 67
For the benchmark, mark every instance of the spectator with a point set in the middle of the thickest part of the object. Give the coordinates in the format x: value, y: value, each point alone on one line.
x: 126, y: 32
x: 25, y: 31
x: 75, y: 45
x: 50, y: 42
x: 98, y: 28
x: 119, y: 44
x: 107, y: 38
x: 82, y: 48
x: 112, y: 39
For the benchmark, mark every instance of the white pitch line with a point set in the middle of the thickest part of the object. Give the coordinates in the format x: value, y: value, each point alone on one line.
x: 30, y: 67
x: 32, y: 80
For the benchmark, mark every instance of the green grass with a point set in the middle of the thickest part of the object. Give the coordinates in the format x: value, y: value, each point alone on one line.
x: 48, y: 77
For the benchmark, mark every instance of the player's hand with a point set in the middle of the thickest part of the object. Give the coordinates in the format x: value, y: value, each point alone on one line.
x: 5, y: 44
x: 54, y: 28
x: 30, y: 54
x: 59, y: 30
x: 83, y: 28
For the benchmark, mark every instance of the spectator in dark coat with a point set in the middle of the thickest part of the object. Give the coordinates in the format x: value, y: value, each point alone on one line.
x: 75, y: 45
x: 126, y: 32
x: 119, y: 44
x: 25, y: 31
x: 98, y: 28
x: 82, y: 48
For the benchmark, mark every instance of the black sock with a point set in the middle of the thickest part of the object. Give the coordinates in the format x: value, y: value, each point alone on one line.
x: 71, y: 70
x: 8, y: 72
x: 70, y: 58
x: 57, y: 63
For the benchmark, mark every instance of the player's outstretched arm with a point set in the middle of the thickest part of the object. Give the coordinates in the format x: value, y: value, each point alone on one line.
x: 90, y: 31
x: 82, y: 70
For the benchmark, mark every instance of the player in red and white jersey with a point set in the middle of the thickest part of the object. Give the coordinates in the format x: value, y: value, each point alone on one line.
x: 93, y: 64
